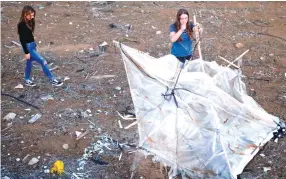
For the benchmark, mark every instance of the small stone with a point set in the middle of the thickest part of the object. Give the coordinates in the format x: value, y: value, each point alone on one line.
x: 70, y: 23
x: 158, y: 32
x: 40, y: 42
x: 18, y: 159
x: 33, y: 161
x: 262, y: 155
x: 5, y: 177
x: 99, y: 130
x: 118, y: 88
x: 239, y: 45
x: 47, y: 171
x: 22, y: 142
x: 271, y: 55
x: 88, y: 110
x: 66, y: 146
x: 8, y: 154
x: 261, y: 58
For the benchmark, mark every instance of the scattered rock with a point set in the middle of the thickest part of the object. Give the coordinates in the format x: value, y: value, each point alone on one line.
x: 33, y: 161
x: 66, y: 146
x: 18, y: 159
x: 261, y: 58
x: 239, y: 45
x: 158, y: 32
x: 10, y: 116
x: 88, y: 110
x: 118, y: 88
x: 271, y: 55
x: 70, y: 23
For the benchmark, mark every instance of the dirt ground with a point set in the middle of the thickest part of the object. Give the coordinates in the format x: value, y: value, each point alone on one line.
x: 68, y: 34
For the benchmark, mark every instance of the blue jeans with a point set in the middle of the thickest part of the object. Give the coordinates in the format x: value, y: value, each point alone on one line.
x: 183, y: 60
x: 35, y: 56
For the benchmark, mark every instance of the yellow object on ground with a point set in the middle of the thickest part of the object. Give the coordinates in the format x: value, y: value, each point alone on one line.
x: 58, y: 167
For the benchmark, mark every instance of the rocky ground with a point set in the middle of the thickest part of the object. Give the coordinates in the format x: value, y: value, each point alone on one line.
x: 68, y: 35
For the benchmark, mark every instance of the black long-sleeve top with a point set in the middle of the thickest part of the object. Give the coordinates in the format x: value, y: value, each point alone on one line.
x: 25, y: 35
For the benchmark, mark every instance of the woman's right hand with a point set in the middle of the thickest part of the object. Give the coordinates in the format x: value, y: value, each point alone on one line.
x: 27, y: 56
x: 183, y: 27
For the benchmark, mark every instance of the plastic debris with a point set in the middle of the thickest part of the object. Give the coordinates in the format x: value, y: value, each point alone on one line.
x: 19, y: 86
x: 58, y: 167
x: 10, y: 116
x: 34, y: 118
x: 33, y: 161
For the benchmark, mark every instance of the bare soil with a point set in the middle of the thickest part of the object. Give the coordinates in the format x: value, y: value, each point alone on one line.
x: 66, y: 32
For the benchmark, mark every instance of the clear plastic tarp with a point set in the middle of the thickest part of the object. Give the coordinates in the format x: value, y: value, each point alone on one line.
x: 208, y: 128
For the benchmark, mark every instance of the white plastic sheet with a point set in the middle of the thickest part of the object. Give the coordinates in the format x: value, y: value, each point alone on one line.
x: 215, y: 130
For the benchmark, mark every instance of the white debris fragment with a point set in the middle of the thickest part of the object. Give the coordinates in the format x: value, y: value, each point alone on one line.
x: 262, y: 155
x: 33, y: 161
x: 66, y: 78
x: 18, y: 159
x: 158, y: 32
x: 99, y: 130
x: 19, y: 86
x: 276, y: 140
x: 27, y: 109
x: 120, y: 125
x: 5, y: 177
x: 271, y: 55
x: 10, y: 116
x: 118, y: 88
x: 77, y: 133
x: 120, y: 156
x: 88, y: 110
x: 47, y: 171
x: 66, y: 146
x: 70, y: 23
x: 265, y: 169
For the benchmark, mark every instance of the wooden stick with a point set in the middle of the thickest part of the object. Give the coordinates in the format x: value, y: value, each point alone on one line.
x: 230, y: 63
x: 240, y: 56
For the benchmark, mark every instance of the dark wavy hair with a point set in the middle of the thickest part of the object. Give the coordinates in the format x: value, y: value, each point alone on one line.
x: 27, y: 10
x: 178, y: 24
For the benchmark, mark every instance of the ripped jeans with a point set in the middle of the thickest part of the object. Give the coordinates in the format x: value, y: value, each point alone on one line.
x: 35, y: 56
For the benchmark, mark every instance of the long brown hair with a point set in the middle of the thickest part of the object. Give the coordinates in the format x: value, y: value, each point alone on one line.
x: 178, y: 24
x: 27, y: 10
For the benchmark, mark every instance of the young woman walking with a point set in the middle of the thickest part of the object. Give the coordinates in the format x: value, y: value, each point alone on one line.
x: 26, y: 28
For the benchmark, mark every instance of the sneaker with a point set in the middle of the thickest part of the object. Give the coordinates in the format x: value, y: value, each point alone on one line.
x: 29, y: 83
x: 57, y: 83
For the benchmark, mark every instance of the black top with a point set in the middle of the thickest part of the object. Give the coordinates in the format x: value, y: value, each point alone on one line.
x: 25, y: 35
